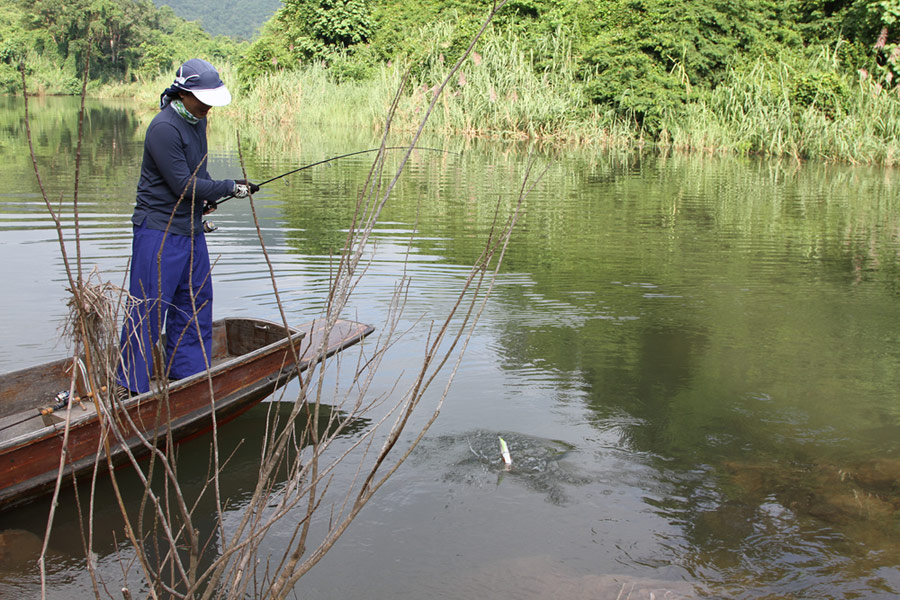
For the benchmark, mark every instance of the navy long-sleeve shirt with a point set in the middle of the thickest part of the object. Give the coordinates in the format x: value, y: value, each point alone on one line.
x: 173, y: 150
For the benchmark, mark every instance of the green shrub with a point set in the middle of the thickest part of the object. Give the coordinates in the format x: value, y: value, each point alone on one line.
x: 824, y: 90
x: 635, y: 86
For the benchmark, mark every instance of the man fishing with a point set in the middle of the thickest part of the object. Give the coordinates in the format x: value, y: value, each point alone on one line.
x: 170, y: 272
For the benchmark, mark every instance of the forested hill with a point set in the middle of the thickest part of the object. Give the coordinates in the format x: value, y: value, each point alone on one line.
x: 240, y: 20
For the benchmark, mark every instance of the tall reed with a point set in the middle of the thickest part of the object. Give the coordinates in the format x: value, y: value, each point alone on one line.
x: 758, y: 109
x: 792, y: 104
x: 512, y: 90
x: 499, y: 93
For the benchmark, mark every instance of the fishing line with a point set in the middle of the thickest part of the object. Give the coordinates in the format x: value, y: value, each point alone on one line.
x: 326, y: 160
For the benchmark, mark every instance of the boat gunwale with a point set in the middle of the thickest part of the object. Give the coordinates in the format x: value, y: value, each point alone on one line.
x: 295, y: 337
x: 188, y: 423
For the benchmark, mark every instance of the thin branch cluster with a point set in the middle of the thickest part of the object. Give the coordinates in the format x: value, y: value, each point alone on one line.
x: 297, y: 492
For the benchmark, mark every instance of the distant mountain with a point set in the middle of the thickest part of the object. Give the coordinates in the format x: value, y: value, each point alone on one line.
x: 240, y: 20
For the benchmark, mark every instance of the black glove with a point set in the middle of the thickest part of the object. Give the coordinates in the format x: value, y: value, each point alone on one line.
x: 209, y: 206
x: 243, y: 188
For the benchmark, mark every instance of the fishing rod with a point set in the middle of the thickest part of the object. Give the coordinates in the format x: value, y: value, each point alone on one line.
x: 327, y: 160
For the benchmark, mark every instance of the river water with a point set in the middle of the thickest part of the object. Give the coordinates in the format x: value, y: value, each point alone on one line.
x: 694, y: 360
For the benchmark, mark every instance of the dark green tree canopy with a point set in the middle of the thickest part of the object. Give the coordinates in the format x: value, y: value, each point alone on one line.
x: 127, y: 39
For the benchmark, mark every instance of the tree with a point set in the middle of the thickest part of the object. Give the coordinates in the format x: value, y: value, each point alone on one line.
x: 306, y: 30
x: 126, y: 38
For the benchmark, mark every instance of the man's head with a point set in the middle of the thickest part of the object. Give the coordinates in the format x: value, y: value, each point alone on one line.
x: 201, y: 79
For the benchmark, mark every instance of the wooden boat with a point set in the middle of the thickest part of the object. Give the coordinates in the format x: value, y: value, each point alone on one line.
x: 251, y: 358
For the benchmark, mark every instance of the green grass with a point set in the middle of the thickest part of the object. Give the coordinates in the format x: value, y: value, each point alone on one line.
x: 763, y: 110
x: 804, y: 107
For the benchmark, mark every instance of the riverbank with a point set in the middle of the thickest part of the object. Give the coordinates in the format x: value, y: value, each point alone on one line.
x: 804, y: 107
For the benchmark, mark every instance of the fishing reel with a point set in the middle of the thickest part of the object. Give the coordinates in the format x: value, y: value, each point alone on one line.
x: 209, y: 206
x: 62, y: 400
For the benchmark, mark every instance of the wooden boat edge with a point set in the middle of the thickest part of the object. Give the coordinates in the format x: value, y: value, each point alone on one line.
x: 235, y: 404
x: 175, y: 387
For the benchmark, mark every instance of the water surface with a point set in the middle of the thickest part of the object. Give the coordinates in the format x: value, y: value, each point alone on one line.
x: 694, y: 359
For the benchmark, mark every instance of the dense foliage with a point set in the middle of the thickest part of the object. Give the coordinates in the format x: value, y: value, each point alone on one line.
x: 658, y: 68
x: 128, y: 39
x: 239, y: 20
x: 644, y: 59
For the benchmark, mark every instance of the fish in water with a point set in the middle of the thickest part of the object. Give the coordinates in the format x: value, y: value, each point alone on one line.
x: 504, y: 452
x: 472, y: 457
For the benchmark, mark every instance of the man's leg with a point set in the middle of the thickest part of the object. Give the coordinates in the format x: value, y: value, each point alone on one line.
x: 188, y: 351
x: 152, y: 296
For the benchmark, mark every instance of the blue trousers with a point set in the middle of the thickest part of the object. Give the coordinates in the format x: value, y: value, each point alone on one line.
x: 165, y: 269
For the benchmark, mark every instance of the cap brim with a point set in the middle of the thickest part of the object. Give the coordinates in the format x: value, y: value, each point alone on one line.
x: 219, y: 96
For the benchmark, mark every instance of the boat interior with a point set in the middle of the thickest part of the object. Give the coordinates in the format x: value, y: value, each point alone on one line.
x: 36, y: 397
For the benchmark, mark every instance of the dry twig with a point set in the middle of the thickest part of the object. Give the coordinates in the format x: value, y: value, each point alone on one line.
x: 298, y: 460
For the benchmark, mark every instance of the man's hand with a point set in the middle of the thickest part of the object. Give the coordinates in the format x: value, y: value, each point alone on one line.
x: 243, y: 188
x: 209, y: 206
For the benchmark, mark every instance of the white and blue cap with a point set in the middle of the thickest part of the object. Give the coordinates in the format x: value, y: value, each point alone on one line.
x: 202, y: 80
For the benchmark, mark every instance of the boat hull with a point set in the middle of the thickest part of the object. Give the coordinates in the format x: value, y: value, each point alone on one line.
x: 252, y: 358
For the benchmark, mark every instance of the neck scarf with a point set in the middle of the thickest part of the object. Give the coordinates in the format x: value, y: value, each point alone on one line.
x: 184, y: 113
